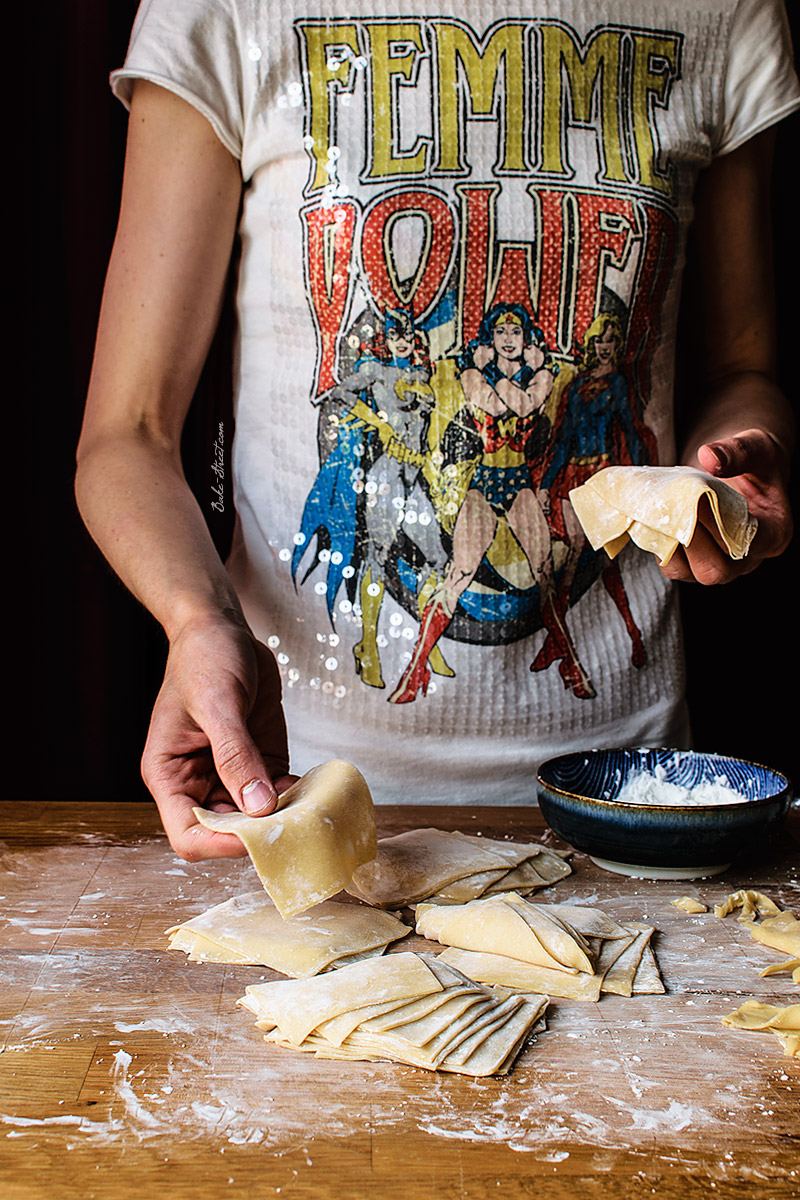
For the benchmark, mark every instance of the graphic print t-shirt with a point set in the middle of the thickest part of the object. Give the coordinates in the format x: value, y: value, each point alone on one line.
x: 462, y: 238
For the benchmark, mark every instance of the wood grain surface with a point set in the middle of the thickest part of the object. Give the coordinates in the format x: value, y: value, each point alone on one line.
x: 126, y: 1069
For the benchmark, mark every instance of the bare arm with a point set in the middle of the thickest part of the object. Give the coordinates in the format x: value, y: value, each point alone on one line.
x: 506, y: 396
x: 744, y: 431
x: 160, y: 307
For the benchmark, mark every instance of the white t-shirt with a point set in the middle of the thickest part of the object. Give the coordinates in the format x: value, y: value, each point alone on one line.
x: 462, y: 239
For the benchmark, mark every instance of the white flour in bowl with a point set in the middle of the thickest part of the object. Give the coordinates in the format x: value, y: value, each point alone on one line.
x: 644, y: 788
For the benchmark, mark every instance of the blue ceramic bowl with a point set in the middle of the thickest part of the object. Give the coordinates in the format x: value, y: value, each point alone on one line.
x: 577, y: 796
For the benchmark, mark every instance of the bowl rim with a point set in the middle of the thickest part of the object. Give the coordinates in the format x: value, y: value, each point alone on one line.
x: 785, y: 793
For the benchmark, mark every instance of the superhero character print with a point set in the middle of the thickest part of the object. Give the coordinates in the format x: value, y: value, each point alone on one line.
x: 485, y: 320
x: 506, y: 374
x: 371, y: 482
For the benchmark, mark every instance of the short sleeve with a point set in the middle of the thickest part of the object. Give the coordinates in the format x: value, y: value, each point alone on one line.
x: 191, y: 48
x: 761, y: 84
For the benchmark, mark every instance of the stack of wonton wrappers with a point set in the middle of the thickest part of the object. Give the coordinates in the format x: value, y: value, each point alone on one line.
x: 410, y: 1008
x: 249, y: 931
x: 657, y: 508
x: 561, y: 949
x: 452, y: 868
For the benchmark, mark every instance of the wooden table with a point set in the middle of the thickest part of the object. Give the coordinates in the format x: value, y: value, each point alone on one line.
x: 127, y: 1068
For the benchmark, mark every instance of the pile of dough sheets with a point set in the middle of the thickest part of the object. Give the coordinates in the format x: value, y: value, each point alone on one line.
x: 562, y: 949
x: 657, y: 509
x: 408, y: 1008
x: 452, y: 868
x: 468, y: 1009
x: 249, y: 931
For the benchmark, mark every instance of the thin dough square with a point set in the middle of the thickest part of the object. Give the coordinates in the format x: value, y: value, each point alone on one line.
x: 656, y: 507
x: 453, y: 867
x: 250, y: 930
x: 307, y: 851
x: 562, y: 949
x: 408, y: 1008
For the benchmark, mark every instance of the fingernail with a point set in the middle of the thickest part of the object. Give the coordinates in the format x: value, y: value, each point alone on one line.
x: 256, y: 796
x: 722, y: 456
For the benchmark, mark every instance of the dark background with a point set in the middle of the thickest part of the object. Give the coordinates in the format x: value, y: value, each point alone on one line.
x: 86, y: 660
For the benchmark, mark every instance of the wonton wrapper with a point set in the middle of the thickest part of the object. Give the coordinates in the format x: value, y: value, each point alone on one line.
x: 250, y: 930
x: 454, y: 866
x: 527, y: 977
x: 298, y: 1006
x: 522, y: 930
x: 406, y: 1007
x: 656, y: 507
x: 308, y: 850
x: 562, y: 949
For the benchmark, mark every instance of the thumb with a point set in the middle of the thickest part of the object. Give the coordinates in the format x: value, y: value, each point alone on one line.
x: 241, y: 769
x: 737, y: 455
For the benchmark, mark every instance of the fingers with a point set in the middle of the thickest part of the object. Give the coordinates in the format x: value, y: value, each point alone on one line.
x: 189, y: 839
x: 704, y: 561
x: 179, y: 774
x: 217, y: 738
x: 754, y: 464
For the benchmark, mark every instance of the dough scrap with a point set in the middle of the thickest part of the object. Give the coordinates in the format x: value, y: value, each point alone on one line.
x: 779, y: 929
x: 406, y: 1007
x: 779, y: 933
x: 656, y: 507
x: 762, y: 1018
x: 249, y: 930
x: 425, y: 863
x: 689, y: 905
x: 308, y: 850
x: 791, y: 964
x: 752, y: 904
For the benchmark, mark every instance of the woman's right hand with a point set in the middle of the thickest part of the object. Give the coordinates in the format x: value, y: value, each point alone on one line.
x: 482, y: 356
x: 217, y: 735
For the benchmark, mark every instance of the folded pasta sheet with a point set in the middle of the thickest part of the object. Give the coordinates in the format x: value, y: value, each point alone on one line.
x: 307, y: 851
x: 452, y: 868
x: 778, y: 928
x: 408, y: 1008
x: 657, y: 508
x: 250, y: 930
x: 564, y: 950
x: 784, y: 1022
